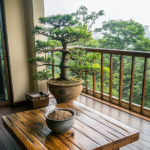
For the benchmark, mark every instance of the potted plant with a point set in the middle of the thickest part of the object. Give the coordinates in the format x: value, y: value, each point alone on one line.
x: 62, y: 30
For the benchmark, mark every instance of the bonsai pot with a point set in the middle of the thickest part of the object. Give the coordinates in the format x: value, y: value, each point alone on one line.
x: 60, y: 126
x: 66, y: 93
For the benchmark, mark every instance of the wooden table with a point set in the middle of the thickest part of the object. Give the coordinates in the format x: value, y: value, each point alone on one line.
x: 92, y: 130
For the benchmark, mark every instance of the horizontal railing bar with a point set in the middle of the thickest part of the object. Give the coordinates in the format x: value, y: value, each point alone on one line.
x: 117, y: 52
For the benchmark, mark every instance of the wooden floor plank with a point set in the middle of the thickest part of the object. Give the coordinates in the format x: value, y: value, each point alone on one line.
x: 145, y: 137
x: 6, y: 110
x: 7, y: 144
x: 143, y: 142
x: 141, y: 146
x: 133, y: 147
x: 9, y: 137
x: 125, y: 148
x: 1, y: 118
x: 2, y: 147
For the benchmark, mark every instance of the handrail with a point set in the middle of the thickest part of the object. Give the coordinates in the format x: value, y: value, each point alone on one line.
x: 121, y: 53
x: 116, y: 52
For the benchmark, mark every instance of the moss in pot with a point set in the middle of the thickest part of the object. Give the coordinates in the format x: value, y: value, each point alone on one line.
x: 60, y: 120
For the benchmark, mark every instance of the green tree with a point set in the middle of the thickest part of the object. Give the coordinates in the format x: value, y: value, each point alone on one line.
x: 125, y: 35
x: 120, y: 34
x: 142, y: 45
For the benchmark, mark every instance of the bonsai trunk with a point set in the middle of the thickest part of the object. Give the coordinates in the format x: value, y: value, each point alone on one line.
x: 63, y: 64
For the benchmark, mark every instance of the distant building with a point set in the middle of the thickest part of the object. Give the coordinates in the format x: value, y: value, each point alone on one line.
x: 96, y: 36
x: 149, y: 35
x: 147, y: 30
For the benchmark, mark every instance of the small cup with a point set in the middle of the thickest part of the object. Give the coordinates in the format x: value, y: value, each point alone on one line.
x: 60, y: 126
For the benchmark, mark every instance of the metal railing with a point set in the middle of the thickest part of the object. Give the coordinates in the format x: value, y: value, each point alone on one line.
x: 122, y: 53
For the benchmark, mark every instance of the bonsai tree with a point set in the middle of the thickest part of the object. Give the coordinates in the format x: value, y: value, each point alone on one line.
x: 62, y: 30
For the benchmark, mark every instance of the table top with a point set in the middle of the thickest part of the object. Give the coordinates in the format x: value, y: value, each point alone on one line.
x: 92, y: 130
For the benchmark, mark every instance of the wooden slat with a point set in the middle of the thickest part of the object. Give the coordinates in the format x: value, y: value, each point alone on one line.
x: 53, y: 73
x: 144, y: 85
x: 95, y: 136
x: 31, y: 128
x: 117, y: 52
x: 100, y: 128
x: 103, y: 119
x: 29, y: 131
x: 111, y: 72
x: 78, y: 139
x: 102, y: 75
x: 132, y: 83
x: 94, y: 84
x: 20, y: 138
x: 119, y: 139
x: 121, y: 79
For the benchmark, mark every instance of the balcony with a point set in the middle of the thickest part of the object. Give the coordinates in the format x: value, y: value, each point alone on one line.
x: 127, y: 112
x: 120, y: 99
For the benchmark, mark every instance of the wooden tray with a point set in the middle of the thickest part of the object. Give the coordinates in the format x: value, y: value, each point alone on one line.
x: 37, y: 99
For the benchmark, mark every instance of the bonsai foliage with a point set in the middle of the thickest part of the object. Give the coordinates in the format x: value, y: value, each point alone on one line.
x: 61, y: 30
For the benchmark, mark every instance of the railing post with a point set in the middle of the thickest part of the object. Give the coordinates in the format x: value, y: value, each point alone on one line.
x: 102, y: 75
x: 111, y: 71
x: 86, y: 84
x: 94, y: 84
x: 121, y: 79
x: 132, y: 83
x: 80, y: 64
x: 52, y: 66
x: 144, y: 85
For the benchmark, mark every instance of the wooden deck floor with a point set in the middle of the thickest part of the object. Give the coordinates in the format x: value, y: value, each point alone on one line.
x: 7, y: 142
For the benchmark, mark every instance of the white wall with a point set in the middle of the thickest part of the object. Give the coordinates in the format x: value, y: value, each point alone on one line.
x: 18, y: 45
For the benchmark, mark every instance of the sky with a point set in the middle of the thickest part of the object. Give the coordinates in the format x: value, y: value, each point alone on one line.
x: 138, y: 10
